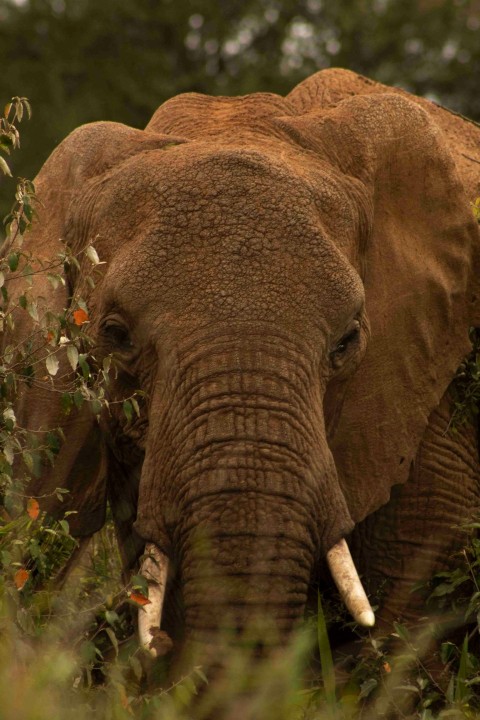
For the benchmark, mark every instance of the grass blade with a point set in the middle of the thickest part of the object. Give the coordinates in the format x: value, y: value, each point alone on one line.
x: 326, y: 661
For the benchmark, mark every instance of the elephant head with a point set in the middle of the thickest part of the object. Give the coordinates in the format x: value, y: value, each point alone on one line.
x: 290, y: 283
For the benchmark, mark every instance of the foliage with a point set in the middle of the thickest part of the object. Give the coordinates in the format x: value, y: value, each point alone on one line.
x: 72, y: 650
x: 9, y: 135
x: 36, y: 360
x: 81, y: 60
x: 465, y: 388
x: 476, y: 209
x: 34, y: 548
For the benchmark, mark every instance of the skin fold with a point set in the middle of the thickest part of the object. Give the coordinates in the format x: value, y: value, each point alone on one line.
x: 290, y: 281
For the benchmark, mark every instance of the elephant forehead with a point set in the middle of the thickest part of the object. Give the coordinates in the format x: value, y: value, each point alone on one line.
x: 230, y: 234
x: 200, y: 186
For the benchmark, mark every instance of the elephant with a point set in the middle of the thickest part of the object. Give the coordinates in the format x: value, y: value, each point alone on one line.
x: 290, y: 282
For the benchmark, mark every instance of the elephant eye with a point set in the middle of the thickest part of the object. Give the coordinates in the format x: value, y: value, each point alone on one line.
x: 349, y: 339
x: 117, y: 334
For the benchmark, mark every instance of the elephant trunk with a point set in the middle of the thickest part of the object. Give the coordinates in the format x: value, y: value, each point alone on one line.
x: 240, y: 484
x: 244, y: 565
x: 155, y: 569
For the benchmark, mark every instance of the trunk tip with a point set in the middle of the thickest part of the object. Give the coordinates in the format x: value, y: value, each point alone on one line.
x: 151, y: 651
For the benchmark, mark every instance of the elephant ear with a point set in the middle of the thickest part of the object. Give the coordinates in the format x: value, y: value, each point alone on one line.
x: 83, y: 157
x: 419, y: 266
x: 329, y: 87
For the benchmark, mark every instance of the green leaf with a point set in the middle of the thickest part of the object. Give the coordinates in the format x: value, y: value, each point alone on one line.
x: 326, y: 661
x: 5, y: 558
x: 13, y: 260
x: 8, y: 354
x: 8, y: 452
x: 66, y: 403
x: 28, y: 371
x: 135, y: 406
x: 28, y: 460
x: 52, y: 364
x: 189, y: 683
x: 128, y: 410
x: 25, y: 620
x: 198, y: 671
x: 9, y: 418
x: 447, y: 652
x: 32, y: 310
x: 183, y: 694
x: 367, y: 687
x: 449, y: 692
x: 111, y: 617
x: 78, y: 399
x: 96, y: 406
x: 402, y: 632
x: 92, y: 255
x: 72, y: 354
x: 4, y: 167
x: 27, y: 107
x: 28, y: 211
x: 408, y: 688
x: 84, y: 366
x: 54, y: 441
x: 53, y: 280
x: 140, y: 583
x: 88, y: 652
x: 113, y: 639
x: 136, y: 666
x: 27, y: 270
x: 461, y: 690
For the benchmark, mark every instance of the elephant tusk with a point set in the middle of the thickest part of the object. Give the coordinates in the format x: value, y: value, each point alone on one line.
x: 349, y: 584
x: 155, y: 569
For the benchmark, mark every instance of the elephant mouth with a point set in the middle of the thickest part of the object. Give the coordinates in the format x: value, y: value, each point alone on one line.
x: 154, y: 568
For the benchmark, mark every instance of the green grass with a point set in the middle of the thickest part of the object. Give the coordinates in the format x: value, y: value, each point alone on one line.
x: 71, y: 651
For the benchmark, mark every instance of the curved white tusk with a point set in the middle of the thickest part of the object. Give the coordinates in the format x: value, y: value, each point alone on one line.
x: 349, y: 585
x: 155, y: 569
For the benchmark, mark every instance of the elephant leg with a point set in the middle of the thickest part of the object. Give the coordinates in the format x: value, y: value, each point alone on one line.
x: 417, y: 533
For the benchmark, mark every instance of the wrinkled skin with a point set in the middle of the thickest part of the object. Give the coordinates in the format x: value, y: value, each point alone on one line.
x: 290, y: 281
